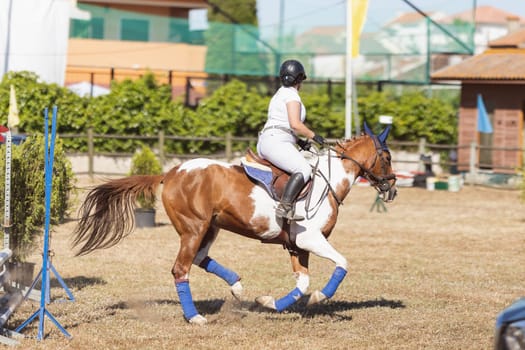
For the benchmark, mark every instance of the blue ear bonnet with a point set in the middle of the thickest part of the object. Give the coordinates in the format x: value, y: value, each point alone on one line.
x: 381, y: 137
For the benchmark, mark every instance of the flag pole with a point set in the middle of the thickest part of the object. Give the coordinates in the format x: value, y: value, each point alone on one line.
x: 349, y: 74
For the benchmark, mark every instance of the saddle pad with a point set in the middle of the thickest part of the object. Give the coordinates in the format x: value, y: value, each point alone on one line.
x: 260, y: 173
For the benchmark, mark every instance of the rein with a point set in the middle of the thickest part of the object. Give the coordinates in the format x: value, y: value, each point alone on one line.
x: 380, y: 183
x: 328, y: 187
x: 327, y: 180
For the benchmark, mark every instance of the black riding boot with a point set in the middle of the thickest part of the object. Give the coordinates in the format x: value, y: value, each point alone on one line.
x: 286, y: 208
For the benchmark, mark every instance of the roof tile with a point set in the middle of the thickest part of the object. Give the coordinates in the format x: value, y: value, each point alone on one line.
x: 514, y: 39
x: 493, y: 64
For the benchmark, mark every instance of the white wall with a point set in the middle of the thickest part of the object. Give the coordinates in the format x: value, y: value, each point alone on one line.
x: 34, y: 36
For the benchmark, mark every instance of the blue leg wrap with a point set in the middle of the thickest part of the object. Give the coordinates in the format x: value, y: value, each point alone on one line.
x: 186, y: 301
x: 288, y: 300
x: 214, y: 267
x: 333, y: 283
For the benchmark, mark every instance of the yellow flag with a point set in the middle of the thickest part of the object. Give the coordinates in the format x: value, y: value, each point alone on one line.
x: 359, y: 9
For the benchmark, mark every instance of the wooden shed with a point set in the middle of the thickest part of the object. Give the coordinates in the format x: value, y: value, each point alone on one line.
x: 498, y: 75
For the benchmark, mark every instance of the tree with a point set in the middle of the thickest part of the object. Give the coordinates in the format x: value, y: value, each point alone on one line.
x: 232, y: 39
x: 233, y: 11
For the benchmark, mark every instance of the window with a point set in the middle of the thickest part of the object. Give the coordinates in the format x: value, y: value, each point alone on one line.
x: 179, y: 32
x: 134, y: 29
x: 92, y: 29
x: 97, y: 28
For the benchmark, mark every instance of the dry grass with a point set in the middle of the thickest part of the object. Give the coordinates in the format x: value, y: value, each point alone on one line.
x: 431, y: 273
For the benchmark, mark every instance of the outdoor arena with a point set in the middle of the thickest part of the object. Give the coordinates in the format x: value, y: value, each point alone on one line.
x: 432, y: 272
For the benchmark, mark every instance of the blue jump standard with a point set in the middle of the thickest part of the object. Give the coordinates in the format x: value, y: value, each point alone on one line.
x: 47, y: 266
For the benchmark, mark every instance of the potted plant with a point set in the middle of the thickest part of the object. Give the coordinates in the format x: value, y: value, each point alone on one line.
x: 145, y: 162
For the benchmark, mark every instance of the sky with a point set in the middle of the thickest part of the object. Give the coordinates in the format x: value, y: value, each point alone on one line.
x: 300, y: 15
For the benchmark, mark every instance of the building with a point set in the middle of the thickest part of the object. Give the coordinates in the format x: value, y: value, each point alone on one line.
x: 491, y: 23
x: 422, y: 47
x: 498, y: 75
x: 126, y: 38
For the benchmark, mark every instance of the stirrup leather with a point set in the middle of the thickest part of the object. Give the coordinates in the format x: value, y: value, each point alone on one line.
x: 287, y: 212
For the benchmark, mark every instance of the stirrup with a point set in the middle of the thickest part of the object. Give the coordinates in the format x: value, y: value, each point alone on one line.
x: 288, y: 214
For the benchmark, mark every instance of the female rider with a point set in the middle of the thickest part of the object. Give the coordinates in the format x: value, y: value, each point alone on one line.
x: 277, y: 140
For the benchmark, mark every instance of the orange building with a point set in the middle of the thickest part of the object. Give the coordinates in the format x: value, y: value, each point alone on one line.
x: 126, y: 38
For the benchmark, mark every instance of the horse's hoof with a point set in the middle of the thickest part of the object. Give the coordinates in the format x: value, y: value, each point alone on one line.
x: 266, y: 301
x: 236, y: 290
x: 316, y: 298
x: 198, y: 320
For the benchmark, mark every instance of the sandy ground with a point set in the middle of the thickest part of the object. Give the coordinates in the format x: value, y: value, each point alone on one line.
x: 432, y: 272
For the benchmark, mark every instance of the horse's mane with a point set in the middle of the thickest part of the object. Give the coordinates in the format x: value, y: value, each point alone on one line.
x: 348, y: 143
x: 343, y: 144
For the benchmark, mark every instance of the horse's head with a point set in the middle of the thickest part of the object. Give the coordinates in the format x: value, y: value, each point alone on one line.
x: 371, y: 154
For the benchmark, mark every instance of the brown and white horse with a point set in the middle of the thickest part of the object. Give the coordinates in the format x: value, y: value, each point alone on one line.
x: 202, y: 196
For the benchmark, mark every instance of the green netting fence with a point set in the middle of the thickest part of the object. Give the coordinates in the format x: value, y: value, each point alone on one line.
x: 248, y: 50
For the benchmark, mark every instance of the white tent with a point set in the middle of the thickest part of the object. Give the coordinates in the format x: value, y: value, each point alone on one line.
x: 34, y: 36
x: 85, y: 88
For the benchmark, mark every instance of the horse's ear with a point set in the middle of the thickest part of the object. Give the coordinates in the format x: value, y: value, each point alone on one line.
x: 384, y: 134
x: 367, y: 130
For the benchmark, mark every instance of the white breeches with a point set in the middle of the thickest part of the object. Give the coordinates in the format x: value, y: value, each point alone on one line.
x: 279, y: 148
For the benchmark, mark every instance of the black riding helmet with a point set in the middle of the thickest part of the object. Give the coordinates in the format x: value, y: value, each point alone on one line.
x: 292, y: 73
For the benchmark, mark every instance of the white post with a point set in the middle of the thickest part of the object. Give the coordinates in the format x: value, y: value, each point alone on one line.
x: 349, y: 77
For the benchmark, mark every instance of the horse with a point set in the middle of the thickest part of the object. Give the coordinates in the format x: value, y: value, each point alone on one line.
x: 202, y: 196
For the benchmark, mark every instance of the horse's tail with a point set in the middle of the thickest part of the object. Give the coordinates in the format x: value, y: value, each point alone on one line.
x: 106, y: 216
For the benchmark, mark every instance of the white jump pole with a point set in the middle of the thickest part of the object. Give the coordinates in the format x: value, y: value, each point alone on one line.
x: 7, y: 195
x: 14, y: 297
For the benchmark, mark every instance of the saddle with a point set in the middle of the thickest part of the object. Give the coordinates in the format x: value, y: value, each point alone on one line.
x: 267, y: 175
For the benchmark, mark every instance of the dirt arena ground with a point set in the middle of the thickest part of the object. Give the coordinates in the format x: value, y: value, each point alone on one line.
x: 432, y: 272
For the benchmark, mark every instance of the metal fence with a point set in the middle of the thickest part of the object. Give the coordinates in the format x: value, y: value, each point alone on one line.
x: 191, y: 87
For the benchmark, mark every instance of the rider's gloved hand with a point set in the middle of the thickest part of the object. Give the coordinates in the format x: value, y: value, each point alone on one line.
x: 319, y: 139
x: 304, y: 144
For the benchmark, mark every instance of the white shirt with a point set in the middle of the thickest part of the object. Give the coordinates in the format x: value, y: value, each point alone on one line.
x: 277, y: 112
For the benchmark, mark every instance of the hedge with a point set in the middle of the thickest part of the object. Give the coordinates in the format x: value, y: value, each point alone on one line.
x: 145, y: 107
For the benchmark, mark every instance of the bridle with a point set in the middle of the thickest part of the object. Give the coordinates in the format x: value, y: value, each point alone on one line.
x: 380, y: 183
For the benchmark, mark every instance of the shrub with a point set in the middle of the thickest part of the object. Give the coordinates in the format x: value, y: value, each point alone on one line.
x: 321, y: 118
x: 415, y: 116
x: 144, y: 107
x: 28, y: 191
x: 232, y: 108
x: 131, y: 108
x: 32, y: 94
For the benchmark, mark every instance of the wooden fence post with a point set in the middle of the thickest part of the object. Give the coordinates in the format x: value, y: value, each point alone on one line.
x: 91, y: 152
x: 472, y: 160
x: 188, y: 92
x: 228, y: 140
x: 161, y: 147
